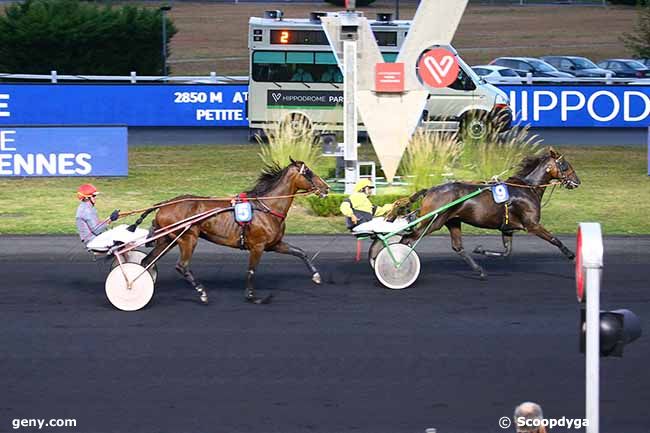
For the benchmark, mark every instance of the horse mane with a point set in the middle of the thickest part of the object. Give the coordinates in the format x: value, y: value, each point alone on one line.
x: 270, y: 175
x: 528, y: 164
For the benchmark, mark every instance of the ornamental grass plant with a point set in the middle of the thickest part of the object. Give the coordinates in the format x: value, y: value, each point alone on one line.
x: 430, y: 158
x: 286, y: 140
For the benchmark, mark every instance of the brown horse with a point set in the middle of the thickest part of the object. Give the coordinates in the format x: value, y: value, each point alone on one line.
x: 521, y: 212
x: 271, y: 199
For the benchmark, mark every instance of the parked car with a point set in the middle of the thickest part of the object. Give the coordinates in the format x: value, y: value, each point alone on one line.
x: 497, y: 73
x: 525, y: 65
x: 578, y: 66
x: 626, y: 68
x: 644, y: 61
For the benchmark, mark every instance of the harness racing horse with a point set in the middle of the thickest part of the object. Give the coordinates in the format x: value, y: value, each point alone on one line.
x: 264, y: 232
x: 521, y: 212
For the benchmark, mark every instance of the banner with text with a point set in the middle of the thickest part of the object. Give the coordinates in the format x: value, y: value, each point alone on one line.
x: 63, y: 151
x: 225, y: 105
x: 580, y: 106
x: 123, y: 104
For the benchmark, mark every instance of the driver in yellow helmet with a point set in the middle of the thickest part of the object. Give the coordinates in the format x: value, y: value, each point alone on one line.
x: 358, y: 209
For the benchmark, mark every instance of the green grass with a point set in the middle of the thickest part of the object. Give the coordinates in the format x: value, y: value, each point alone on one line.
x: 615, y: 190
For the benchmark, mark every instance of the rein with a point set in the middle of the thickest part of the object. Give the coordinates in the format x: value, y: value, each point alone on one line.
x: 169, y: 203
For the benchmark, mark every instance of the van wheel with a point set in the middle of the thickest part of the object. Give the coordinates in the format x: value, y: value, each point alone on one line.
x: 475, y: 125
x: 300, y: 126
x: 254, y: 134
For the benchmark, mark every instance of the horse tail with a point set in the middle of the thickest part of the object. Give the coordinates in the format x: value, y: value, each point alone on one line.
x: 141, y: 218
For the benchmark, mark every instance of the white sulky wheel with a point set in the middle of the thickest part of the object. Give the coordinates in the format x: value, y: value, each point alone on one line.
x: 377, y: 245
x: 136, y: 256
x: 393, y: 277
x: 129, y: 295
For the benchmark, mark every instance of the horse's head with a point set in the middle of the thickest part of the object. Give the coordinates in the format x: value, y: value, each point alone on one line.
x: 559, y: 168
x: 307, y: 180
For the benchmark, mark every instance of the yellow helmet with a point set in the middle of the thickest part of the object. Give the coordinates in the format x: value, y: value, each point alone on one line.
x: 363, y: 183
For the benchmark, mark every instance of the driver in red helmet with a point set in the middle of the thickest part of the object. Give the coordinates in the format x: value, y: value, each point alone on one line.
x: 88, y: 223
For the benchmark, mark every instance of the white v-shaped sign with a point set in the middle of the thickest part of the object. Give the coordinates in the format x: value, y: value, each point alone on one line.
x: 391, y: 119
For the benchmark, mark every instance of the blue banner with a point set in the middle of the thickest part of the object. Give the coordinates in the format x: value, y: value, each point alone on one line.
x: 225, y: 105
x: 580, y: 106
x: 123, y: 104
x: 63, y: 151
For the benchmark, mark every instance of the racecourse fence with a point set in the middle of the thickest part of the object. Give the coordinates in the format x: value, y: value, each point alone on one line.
x: 221, y: 101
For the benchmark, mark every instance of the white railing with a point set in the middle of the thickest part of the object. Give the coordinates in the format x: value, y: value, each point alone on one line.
x: 133, y: 78
x: 213, y: 78
x: 529, y: 79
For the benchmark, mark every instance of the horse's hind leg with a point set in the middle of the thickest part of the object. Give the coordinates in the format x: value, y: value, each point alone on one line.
x: 253, y: 260
x: 539, y: 231
x: 457, y: 245
x: 187, y: 244
x: 285, y: 248
x: 507, y: 244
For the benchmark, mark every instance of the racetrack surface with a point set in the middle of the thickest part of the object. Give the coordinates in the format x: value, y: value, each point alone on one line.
x: 452, y: 352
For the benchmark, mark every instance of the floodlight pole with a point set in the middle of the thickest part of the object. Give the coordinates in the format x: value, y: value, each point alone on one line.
x: 164, y: 9
x: 350, y: 133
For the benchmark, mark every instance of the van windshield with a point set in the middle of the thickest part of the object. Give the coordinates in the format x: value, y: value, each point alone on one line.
x: 470, y: 72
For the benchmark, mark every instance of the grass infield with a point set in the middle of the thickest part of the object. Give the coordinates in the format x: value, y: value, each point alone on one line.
x: 615, y: 190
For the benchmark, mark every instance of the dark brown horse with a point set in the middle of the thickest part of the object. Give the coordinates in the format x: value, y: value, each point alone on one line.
x: 271, y: 199
x: 521, y: 212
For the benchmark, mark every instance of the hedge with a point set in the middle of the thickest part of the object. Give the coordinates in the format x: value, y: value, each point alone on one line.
x: 329, y: 206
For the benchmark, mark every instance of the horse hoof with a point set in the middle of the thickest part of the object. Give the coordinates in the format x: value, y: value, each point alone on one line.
x: 316, y: 278
x: 204, y: 298
x: 259, y: 301
x: 483, y: 276
x: 479, y: 250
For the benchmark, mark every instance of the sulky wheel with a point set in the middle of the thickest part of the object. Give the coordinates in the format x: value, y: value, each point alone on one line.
x: 401, y: 275
x: 376, y: 247
x: 136, y: 256
x: 129, y: 287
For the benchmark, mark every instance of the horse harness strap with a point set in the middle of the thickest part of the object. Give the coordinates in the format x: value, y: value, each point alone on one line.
x: 244, y: 214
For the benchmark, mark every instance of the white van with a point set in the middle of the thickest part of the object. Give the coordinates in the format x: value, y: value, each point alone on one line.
x: 469, y: 103
x: 294, y: 76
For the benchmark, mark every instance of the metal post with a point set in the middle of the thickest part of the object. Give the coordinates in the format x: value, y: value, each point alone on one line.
x: 590, y: 253
x: 593, y: 348
x: 350, y: 113
x: 164, y: 9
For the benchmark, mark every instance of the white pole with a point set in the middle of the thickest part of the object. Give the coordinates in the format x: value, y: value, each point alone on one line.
x: 350, y: 114
x: 593, y: 348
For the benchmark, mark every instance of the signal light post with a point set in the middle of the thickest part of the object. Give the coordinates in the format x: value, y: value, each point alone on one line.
x: 601, y: 333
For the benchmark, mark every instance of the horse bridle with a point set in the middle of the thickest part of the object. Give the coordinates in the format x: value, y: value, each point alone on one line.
x: 565, y: 170
x: 309, y: 175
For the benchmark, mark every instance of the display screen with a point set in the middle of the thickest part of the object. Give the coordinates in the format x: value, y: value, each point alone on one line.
x: 317, y: 37
x: 298, y: 37
x: 386, y: 39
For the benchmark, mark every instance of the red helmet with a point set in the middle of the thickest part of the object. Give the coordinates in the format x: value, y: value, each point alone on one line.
x: 86, y: 190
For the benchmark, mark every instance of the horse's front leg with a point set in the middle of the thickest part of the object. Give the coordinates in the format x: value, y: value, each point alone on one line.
x: 507, y: 244
x: 253, y: 261
x: 539, y: 231
x: 286, y: 248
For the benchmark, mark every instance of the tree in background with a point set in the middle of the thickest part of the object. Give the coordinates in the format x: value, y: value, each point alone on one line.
x: 639, y: 41
x: 73, y: 37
